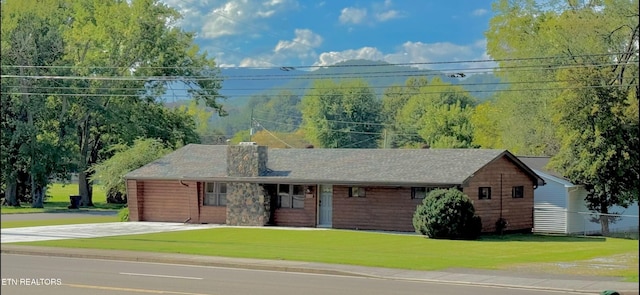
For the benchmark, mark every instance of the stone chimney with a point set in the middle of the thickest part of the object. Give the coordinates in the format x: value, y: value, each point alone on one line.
x: 247, y: 203
x: 246, y: 160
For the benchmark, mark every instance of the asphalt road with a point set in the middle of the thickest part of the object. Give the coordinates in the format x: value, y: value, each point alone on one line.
x: 24, y: 274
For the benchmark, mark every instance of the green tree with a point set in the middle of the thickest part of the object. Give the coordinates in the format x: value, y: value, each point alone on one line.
x: 137, y: 40
x: 485, y: 120
x: 279, y: 113
x: 200, y: 115
x: 394, y: 99
x: 280, y: 139
x: 440, y: 114
x: 517, y: 38
x: 599, y: 127
x: 448, y: 126
x: 342, y: 115
x: 590, y: 89
x: 32, y: 134
x: 116, y: 59
x: 110, y: 173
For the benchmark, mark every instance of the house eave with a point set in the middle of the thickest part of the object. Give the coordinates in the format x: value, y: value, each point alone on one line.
x: 276, y: 180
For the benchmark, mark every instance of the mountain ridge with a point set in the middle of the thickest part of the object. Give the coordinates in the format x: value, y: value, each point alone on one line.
x: 379, y: 74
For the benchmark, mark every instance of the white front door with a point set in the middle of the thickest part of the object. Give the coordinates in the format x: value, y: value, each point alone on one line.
x: 324, y: 206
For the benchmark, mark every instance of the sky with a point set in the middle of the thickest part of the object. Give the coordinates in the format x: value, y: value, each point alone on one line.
x: 299, y: 33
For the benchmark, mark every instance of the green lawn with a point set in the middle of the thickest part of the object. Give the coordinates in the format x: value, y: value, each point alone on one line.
x: 373, y: 249
x: 347, y: 247
x: 59, y: 200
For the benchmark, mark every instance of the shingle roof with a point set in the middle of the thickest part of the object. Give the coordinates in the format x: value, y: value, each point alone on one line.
x: 190, y: 161
x: 366, y: 166
x: 540, y: 163
x: 433, y: 166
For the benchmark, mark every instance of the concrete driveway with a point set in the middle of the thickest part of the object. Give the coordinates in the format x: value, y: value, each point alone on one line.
x: 76, y: 231
x: 66, y: 215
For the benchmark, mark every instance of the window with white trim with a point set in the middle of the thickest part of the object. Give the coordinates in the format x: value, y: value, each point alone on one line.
x: 291, y: 196
x: 215, y: 194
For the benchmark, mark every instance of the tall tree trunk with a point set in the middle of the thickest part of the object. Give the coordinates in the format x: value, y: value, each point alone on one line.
x: 604, y: 225
x: 37, y: 195
x: 85, y: 189
x: 11, y: 192
x: 604, y: 217
x: 83, y: 179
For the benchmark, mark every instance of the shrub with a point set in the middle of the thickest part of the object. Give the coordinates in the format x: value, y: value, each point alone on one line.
x: 447, y: 213
x: 123, y: 214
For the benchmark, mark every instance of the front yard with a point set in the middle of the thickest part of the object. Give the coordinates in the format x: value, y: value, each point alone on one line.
x: 405, y: 251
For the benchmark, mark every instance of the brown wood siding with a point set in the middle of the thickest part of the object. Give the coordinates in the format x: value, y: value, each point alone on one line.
x: 297, y: 217
x: 383, y: 208
x: 501, y: 175
x: 133, y: 203
x: 169, y: 201
x: 210, y: 214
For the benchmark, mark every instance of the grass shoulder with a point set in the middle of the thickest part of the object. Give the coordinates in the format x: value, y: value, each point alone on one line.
x: 58, y: 201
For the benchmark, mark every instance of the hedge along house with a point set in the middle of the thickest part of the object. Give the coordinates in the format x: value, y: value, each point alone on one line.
x: 373, y: 189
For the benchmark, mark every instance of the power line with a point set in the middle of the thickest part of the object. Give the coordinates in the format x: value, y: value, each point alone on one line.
x: 457, y: 73
x: 321, y: 95
x: 336, y: 121
x: 172, y: 88
x: 343, y: 130
x: 353, y: 65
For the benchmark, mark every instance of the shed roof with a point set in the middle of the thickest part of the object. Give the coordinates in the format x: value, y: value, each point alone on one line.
x: 540, y: 163
x: 336, y: 166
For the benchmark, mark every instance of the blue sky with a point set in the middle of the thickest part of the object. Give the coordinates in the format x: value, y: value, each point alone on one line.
x: 275, y: 33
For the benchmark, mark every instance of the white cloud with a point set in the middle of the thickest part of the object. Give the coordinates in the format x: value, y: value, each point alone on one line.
x: 479, y: 12
x: 215, y: 19
x: 191, y: 11
x: 304, y: 41
x: 256, y: 63
x: 427, y: 55
x: 301, y: 48
x: 352, y: 15
x: 274, y: 2
x: 333, y: 57
x: 424, y: 55
x: 387, y: 15
x: 381, y: 12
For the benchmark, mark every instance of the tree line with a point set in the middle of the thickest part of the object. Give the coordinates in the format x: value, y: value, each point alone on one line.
x: 82, y: 76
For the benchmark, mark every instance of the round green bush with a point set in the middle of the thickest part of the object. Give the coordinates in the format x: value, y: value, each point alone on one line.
x: 447, y: 214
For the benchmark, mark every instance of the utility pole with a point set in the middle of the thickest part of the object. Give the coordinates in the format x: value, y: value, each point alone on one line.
x: 384, y: 145
x: 251, y: 125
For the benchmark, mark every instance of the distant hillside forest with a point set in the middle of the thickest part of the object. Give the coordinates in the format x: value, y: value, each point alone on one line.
x: 269, y: 100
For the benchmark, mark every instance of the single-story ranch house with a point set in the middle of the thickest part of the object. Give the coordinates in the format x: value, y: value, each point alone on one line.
x: 372, y: 189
